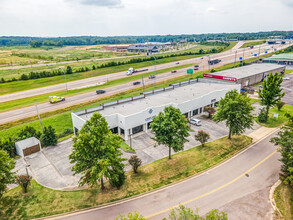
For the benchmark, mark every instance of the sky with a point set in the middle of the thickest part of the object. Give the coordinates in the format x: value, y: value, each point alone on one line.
x: 59, y: 18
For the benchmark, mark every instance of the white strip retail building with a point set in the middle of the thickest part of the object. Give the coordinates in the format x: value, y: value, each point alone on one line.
x: 134, y: 114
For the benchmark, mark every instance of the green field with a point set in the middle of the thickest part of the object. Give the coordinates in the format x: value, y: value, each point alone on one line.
x: 254, y: 43
x: 41, y: 201
x: 283, y: 196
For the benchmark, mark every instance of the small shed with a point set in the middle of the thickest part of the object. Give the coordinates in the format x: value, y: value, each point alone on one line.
x: 28, y: 146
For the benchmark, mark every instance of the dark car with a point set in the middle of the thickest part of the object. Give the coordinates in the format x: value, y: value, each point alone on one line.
x: 152, y: 76
x: 136, y: 83
x: 196, y: 66
x: 173, y: 71
x: 100, y: 91
x: 177, y: 62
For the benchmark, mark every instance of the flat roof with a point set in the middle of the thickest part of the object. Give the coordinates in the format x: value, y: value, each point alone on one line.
x: 249, y: 70
x: 281, y: 57
x: 177, y: 96
x: 26, y: 143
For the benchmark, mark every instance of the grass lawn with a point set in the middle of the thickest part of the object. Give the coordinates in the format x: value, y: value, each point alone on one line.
x: 41, y: 201
x: 254, y: 43
x: 273, y: 122
x: 126, y: 147
x: 283, y: 196
x: 289, y: 71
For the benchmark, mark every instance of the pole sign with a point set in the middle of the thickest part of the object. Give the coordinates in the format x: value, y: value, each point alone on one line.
x: 266, y: 51
x: 240, y: 58
x: 220, y: 77
x: 255, y: 55
x: 189, y: 71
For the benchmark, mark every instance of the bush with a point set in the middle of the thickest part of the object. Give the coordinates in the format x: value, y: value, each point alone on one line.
x: 68, y: 70
x: 118, y: 179
x: 24, y: 181
x: 202, y: 137
x: 9, y: 146
x: 135, y: 162
x: 280, y: 105
x: 28, y: 132
x: 213, y: 70
x: 49, y: 137
x: 263, y: 116
x: 66, y: 133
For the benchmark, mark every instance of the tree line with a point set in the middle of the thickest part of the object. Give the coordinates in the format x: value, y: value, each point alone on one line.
x: 57, y: 72
x: 94, y: 40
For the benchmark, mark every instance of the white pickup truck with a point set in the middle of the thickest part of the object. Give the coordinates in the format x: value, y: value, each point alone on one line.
x: 131, y: 71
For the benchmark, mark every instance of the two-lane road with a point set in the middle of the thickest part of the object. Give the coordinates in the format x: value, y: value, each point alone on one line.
x: 239, y: 187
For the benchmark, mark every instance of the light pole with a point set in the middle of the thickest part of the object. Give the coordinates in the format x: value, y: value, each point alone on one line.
x: 27, y: 166
x: 243, y: 55
x: 65, y: 80
x: 235, y: 58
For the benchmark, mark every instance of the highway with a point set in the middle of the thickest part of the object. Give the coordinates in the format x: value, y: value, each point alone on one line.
x: 239, y: 187
x: 17, y: 114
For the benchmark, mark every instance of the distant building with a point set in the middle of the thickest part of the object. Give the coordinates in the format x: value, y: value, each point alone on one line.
x: 119, y: 48
x: 284, y: 59
x: 143, y: 48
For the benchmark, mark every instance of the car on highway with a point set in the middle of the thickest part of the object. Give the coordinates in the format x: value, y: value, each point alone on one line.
x: 286, y: 78
x: 173, y: 71
x: 195, y: 121
x: 100, y: 91
x: 195, y: 68
x: 136, y: 83
x: 55, y: 99
x: 177, y: 62
x: 201, y: 58
x: 152, y: 76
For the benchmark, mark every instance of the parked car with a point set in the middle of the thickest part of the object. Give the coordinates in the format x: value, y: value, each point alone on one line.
x: 152, y: 76
x: 195, y: 121
x: 286, y: 78
x: 173, y: 71
x: 100, y: 91
x: 136, y: 83
x: 55, y: 99
x: 177, y: 62
x: 196, y: 66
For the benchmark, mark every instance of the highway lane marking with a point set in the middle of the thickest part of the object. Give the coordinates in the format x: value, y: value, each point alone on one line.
x: 214, y: 190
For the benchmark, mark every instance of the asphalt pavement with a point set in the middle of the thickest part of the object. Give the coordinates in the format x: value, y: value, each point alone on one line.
x: 239, y: 187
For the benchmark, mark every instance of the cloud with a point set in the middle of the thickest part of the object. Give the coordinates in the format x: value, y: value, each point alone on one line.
x: 211, y: 10
x: 288, y: 2
x: 103, y: 3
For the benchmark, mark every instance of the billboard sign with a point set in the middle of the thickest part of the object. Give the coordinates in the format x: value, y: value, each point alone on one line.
x: 220, y: 77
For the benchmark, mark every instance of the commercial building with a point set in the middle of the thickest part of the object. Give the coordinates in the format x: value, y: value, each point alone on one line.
x: 143, y: 48
x: 247, y: 75
x: 135, y: 114
x: 284, y: 59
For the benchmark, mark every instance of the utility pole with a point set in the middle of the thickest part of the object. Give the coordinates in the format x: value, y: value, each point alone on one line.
x: 65, y: 81
x: 258, y: 52
x: 235, y: 58
x: 155, y: 72
x: 209, y: 61
x: 243, y: 56
x: 142, y: 82
x: 39, y: 116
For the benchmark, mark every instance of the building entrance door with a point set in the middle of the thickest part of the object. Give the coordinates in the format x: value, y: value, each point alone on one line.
x: 137, y: 129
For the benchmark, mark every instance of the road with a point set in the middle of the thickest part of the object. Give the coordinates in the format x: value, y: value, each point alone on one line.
x: 239, y: 187
x: 17, y: 114
x: 91, y: 81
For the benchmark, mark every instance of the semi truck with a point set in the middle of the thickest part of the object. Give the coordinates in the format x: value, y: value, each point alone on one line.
x: 131, y: 71
x: 215, y: 61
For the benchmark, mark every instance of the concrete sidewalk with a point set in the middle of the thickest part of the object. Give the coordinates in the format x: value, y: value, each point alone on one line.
x: 261, y: 133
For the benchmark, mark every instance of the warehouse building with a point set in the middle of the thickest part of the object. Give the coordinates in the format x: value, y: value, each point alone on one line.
x: 143, y: 48
x: 247, y: 75
x: 135, y: 114
x: 283, y: 59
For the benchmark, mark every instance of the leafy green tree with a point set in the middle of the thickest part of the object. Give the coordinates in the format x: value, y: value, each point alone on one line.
x: 271, y: 92
x: 236, y: 110
x: 135, y: 162
x: 7, y: 176
x: 171, y: 129
x: 280, y: 105
x: 24, y: 181
x: 96, y: 154
x: 68, y: 70
x: 131, y: 216
x: 8, y: 145
x: 285, y: 140
x: 210, y: 110
x: 202, y: 137
x: 28, y: 132
x: 49, y: 137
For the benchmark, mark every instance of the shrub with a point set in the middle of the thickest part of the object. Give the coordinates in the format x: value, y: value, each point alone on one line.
x: 118, y: 179
x: 66, y: 133
x: 49, y: 137
x: 280, y: 105
x: 135, y: 162
x: 9, y: 146
x: 263, y: 116
x: 202, y: 137
x: 24, y: 181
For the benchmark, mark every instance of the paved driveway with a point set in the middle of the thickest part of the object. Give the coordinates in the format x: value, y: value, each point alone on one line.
x: 287, y: 87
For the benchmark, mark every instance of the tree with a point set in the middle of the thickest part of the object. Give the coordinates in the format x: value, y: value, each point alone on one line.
x: 236, y: 110
x: 24, y: 181
x: 280, y: 105
x: 68, y: 70
x: 285, y: 140
x: 7, y: 176
x: 202, y: 137
x: 209, y: 109
x: 28, y: 132
x: 263, y: 116
x: 49, y: 137
x: 135, y: 162
x: 271, y: 92
x: 171, y: 129
x: 96, y: 154
x: 130, y: 216
x: 8, y: 145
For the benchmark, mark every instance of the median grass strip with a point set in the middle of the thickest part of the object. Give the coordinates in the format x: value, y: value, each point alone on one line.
x: 283, y: 196
x: 41, y: 201
x: 276, y: 122
x: 253, y: 43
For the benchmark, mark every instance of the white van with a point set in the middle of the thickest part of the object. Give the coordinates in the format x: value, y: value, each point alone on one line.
x: 195, y: 121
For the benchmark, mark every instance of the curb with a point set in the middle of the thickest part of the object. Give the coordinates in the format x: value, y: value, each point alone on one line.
x: 159, y: 189
x: 272, y: 200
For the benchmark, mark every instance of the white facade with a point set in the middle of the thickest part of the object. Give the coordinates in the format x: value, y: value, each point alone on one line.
x: 20, y: 146
x: 135, y: 116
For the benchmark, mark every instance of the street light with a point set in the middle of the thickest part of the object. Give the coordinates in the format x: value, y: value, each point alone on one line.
x: 27, y: 166
x: 65, y: 80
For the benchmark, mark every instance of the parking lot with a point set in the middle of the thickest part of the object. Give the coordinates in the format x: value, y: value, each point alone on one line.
x: 287, y: 87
